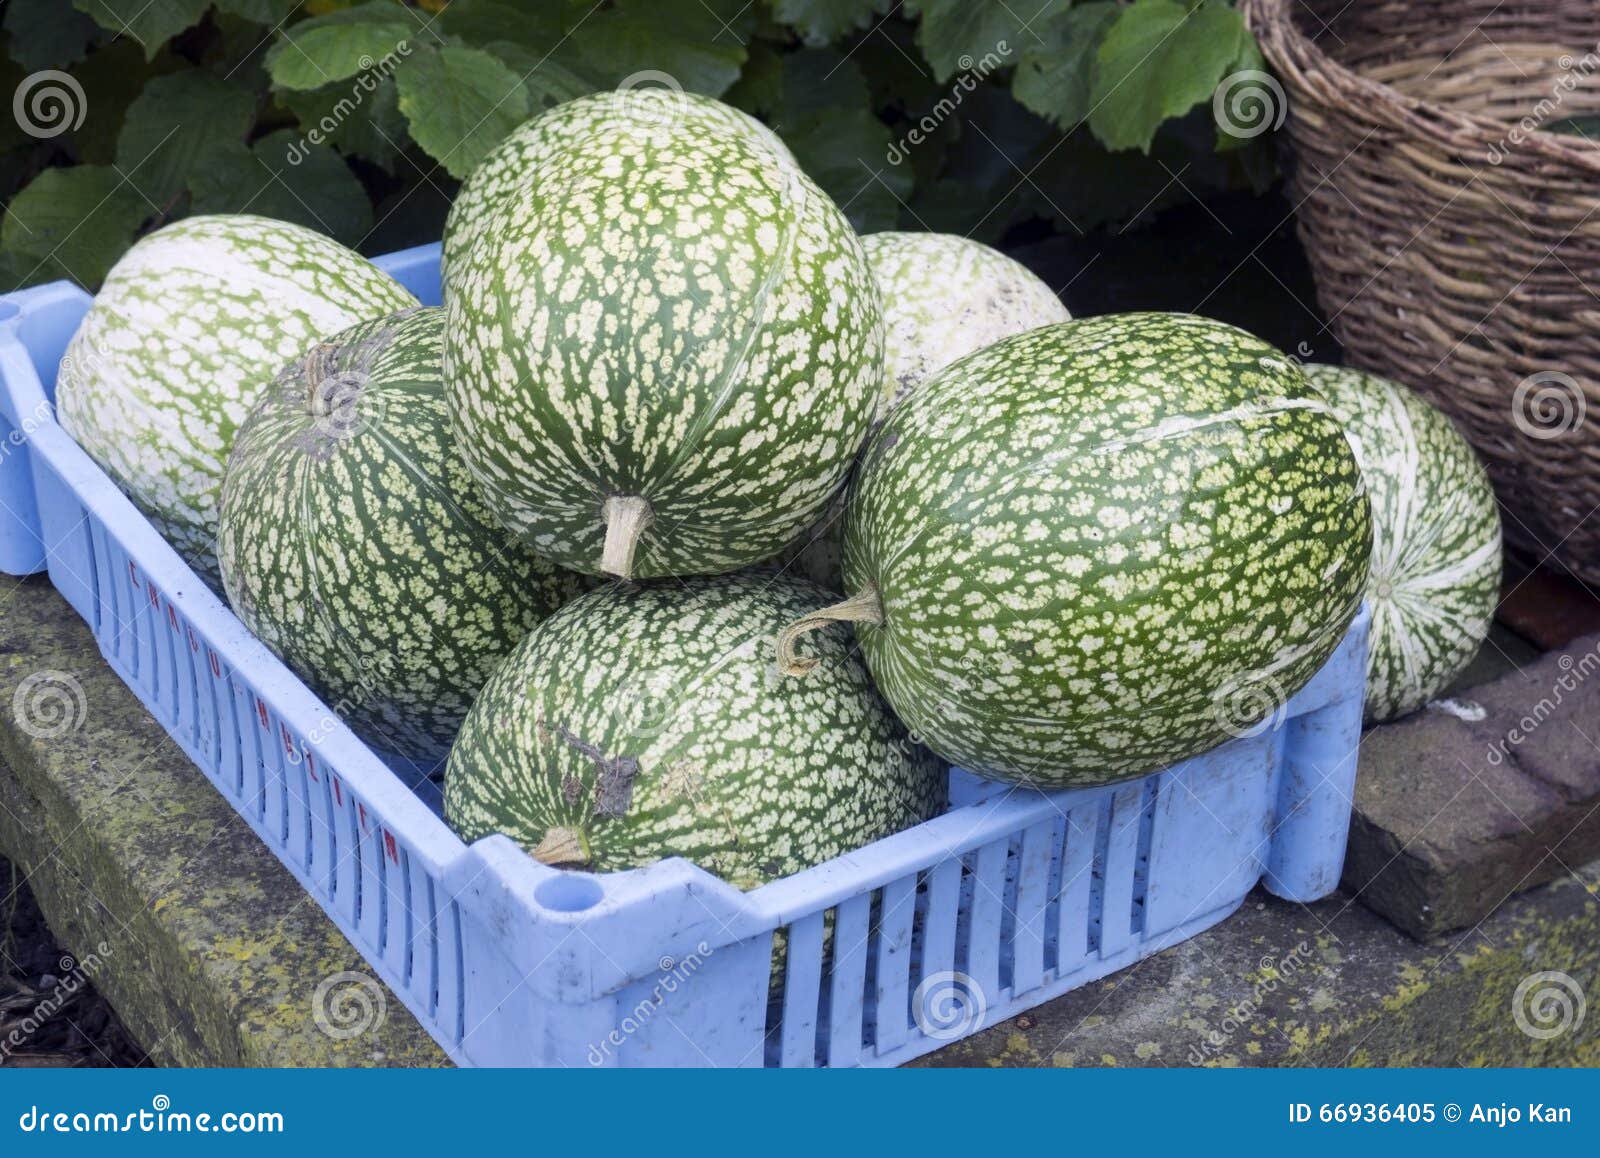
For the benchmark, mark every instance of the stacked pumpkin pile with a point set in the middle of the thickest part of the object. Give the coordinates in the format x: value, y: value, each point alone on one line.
x: 535, y: 529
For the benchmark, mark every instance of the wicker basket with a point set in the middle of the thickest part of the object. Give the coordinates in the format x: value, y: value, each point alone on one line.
x: 1456, y: 247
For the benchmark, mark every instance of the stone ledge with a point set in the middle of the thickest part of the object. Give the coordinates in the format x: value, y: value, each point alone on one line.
x: 1327, y: 984
x: 214, y: 951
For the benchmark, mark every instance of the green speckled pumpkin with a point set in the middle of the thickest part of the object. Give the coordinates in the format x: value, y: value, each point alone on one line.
x: 1094, y: 549
x: 945, y: 296
x: 664, y: 346
x: 642, y: 722
x: 189, y: 326
x: 355, y: 545
x: 1435, y: 576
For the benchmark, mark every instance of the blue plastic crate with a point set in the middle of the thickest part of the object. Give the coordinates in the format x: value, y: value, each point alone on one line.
x: 1007, y: 900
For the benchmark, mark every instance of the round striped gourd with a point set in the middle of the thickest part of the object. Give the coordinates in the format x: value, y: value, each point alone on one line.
x: 355, y: 545
x: 189, y: 326
x: 1435, y: 575
x: 945, y: 296
x: 664, y: 346
x: 1091, y: 550
x: 642, y: 722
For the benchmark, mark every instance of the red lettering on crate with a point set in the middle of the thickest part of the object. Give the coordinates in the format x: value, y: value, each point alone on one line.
x: 311, y: 766
x: 338, y: 797
x: 194, y: 644
x: 133, y: 576
x: 216, y: 667
x: 390, y: 847
x: 155, y: 597
x: 261, y: 710
x: 361, y: 815
x: 172, y: 617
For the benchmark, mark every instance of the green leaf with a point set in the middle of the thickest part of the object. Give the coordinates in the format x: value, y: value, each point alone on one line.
x: 549, y: 77
x: 43, y: 36
x: 702, y: 50
x: 341, y: 44
x: 825, y: 117
x: 269, y: 12
x: 74, y: 222
x: 178, y: 126
x: 150, y: 22
x: 1158, y: 61
x: 956, y: 35
x: 361, y: 120
x: 1054, y: 78
x: 284, y: 176
x: 460, y: 103
x: 822, y: 21
x: 112, y: 77
x: 538, y: 26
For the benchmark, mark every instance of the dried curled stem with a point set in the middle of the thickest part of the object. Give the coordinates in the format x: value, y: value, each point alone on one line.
x: 627, y: 517
x: 863, y: 607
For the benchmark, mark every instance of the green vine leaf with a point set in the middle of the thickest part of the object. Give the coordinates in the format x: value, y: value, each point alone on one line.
x: 150, y: 22
x: 41, y: 35
x: 272, y: 13
x: 180, y: 125
x: 821, y: 22
x: 701, y: 49
x: 460, y: 103
x: 284, y: 176
x: 1159, y: 60
x: 1054, y: 78
x: 342, y: 44
x: 957, y: 34
x: 73, y: 222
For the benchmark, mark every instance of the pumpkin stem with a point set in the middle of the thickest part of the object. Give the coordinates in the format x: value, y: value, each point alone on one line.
x: 562, y: 847
x: 627, y: 517
x: 864, y: 607
x: 320, y: 364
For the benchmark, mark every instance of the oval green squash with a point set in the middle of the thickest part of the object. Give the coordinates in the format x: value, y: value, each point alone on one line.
x: 664, y: 346
x: 642, y: 722
x: 1091, y: 550
x: 1435, y: 575
x: 355, y: 545
x: 190, y: 325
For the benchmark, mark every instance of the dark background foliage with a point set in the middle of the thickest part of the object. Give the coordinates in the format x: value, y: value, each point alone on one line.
x: 1004, y: 119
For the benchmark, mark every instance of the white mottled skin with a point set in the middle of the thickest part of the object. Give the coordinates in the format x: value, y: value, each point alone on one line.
x: 1436, y: 556
x: 651, y: 720
x: 945, y: 296
x: 664, y: 308
x: 190, y: 324
x: 1104, y: 546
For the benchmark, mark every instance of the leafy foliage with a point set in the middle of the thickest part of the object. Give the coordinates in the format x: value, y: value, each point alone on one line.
x: 361, y: 119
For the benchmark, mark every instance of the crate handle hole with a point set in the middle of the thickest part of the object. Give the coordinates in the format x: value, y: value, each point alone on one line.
x: 569, y: 893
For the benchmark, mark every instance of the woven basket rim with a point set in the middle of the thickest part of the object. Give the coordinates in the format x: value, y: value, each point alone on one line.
x: 1273, y: 20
